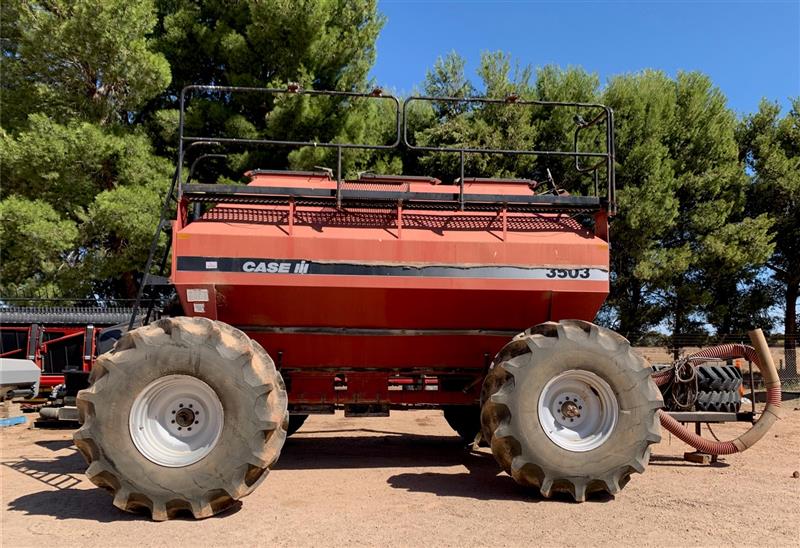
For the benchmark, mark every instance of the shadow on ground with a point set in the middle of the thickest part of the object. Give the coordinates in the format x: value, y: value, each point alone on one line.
x: 56, y: 473
x: 480, y: 485
x: 382, y: 449
x: 55, y: 445
x: 63, y: 499
x: 84, y: 504
x: 483, y: 479
x: 386, y: 449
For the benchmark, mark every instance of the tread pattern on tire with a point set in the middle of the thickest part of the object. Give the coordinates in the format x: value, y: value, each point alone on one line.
x: 496, y: 414
x: 722, y: 401
x: 257, y: 371
x: 718, y: 388
x: 718, y: 377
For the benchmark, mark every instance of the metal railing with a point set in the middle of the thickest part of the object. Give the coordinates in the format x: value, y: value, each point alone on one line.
x: 376, y: 94
x: 604, y: 116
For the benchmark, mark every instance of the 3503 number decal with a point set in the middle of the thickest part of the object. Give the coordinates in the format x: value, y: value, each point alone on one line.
x: 573, y: 273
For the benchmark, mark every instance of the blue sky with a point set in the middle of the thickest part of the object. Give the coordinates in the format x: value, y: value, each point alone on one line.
x: 750, y: 49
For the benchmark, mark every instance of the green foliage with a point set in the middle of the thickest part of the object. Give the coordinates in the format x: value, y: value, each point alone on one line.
x: 79, y: 59
x: 504, y: 126
x: 321, y: 44
x: 770, y: 146
x: 79, y: 184
x: 368, y: 122
x: 681, y: 201
x: 115, y: 237
x: 105, y: 186
x: 447, y: 79
x: 477, y: 126
x: 327, y: 44
x: 68, y: 165
x: 36, y: 242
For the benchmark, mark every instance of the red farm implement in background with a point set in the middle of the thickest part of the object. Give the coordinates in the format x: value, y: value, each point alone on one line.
x: 59, y: 339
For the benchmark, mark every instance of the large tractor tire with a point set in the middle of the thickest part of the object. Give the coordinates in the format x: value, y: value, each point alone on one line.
x: 185, y: 415
x: 464, y: 419
x: 570, y: 407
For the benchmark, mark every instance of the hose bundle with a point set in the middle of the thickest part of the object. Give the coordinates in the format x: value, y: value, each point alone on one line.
x: 758, y: 354
x: 683, y: 377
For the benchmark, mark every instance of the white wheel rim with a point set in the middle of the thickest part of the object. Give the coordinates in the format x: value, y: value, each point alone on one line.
x: 176, y: 420
x: 578, y: 410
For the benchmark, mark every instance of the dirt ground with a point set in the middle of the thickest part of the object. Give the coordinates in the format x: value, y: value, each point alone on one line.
x: 407, y: 480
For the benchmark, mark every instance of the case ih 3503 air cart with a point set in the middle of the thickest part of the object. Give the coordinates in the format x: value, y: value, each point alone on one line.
x: 305, y: 292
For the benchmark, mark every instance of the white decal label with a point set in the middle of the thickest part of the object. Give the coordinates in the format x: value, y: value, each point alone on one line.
x: 211, y: 265
x: 197, y: 295
x: 199, y: 307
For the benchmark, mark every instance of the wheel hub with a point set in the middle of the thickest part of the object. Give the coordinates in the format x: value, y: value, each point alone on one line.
x: 185, y: 417
x: 176, y: 420
x: 570, y: 410
x: 578, y: 410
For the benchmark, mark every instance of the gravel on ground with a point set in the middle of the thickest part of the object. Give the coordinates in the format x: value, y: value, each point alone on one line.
x: 407, y: 480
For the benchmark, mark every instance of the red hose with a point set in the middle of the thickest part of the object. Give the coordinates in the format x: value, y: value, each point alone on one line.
x: 662, y: 377
x: 690, y: 438
x: 724, y: 351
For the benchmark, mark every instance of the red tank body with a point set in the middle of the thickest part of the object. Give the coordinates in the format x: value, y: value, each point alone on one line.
x: 385, y: 305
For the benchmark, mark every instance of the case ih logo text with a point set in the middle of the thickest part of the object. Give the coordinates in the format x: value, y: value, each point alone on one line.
x: 274, y: 267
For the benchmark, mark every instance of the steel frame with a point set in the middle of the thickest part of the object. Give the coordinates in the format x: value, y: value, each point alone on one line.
x: 605, y: 116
